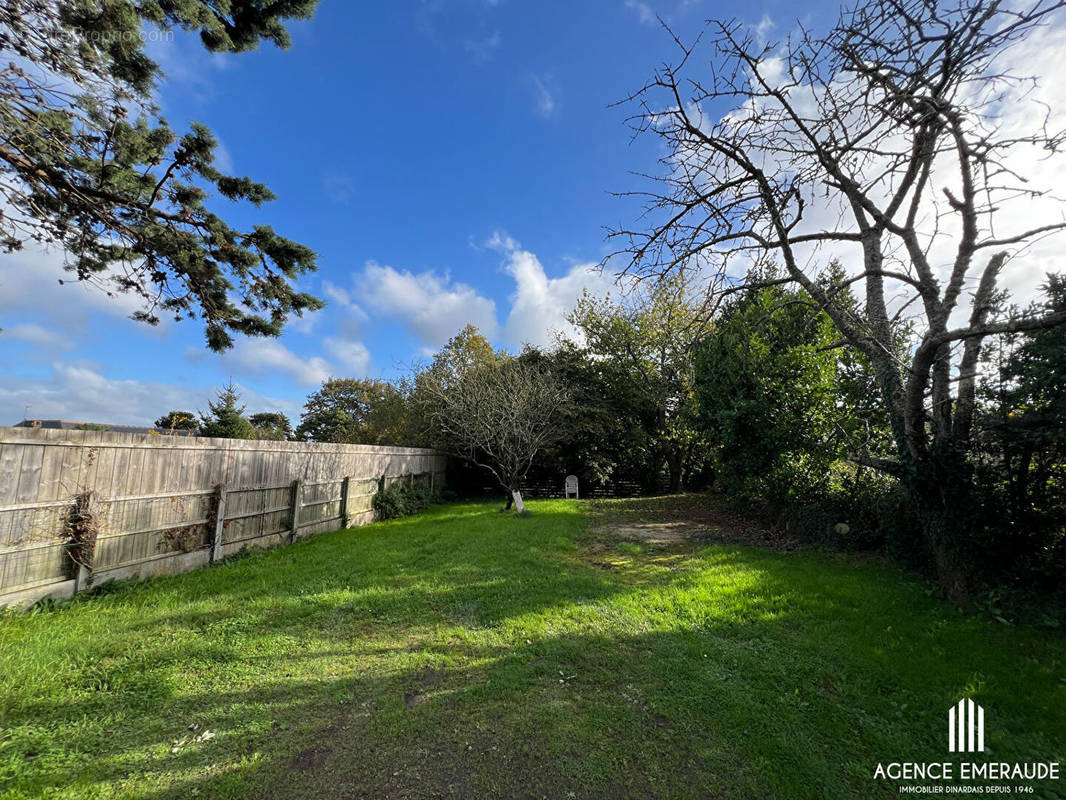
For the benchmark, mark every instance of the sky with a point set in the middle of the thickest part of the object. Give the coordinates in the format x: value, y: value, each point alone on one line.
x: 450, y: 161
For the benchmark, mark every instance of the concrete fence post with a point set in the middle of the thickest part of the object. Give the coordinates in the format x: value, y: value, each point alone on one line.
x: 220, y: 523
x: 345, y: 520
x: 295, y: 529
x: 83, y: 579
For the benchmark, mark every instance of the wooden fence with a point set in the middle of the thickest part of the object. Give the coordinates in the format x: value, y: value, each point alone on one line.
x: 162, y: 505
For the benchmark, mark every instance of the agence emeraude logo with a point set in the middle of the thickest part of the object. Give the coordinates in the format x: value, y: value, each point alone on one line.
x: 966, y: 734
x: 966, y: 728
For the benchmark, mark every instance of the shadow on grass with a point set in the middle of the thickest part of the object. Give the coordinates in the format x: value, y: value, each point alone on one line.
x: 468, y: 654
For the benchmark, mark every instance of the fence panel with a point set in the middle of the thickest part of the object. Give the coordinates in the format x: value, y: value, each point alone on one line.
x: 156, y: 500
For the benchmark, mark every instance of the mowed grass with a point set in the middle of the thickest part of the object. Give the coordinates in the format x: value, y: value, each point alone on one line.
x: 469, y: 653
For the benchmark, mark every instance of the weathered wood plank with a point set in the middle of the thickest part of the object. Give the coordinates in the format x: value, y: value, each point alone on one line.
x: 10, y: 463
x: 29, y: 479
x: 154, y: 494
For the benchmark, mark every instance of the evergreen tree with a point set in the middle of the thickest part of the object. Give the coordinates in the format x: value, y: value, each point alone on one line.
x: 87, y: 163
x: 226, y: 419
x: 1022, y: 426
x: 766, y: 386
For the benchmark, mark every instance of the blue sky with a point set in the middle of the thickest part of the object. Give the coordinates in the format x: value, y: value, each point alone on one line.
x: 450, y: 161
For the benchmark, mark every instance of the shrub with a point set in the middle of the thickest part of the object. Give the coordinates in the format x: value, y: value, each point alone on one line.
x: 400, y: 500
x: 81, y: 527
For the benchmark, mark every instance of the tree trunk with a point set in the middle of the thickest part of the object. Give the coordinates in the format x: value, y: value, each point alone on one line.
x: 674, y: 464
x: 953, y: 575
x: 1021, y: 480
x: 514, y: 500
x: 942, y: 491
x: 938, y: 480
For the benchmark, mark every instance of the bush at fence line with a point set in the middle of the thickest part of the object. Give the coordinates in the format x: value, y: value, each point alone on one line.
x: 401, y: 500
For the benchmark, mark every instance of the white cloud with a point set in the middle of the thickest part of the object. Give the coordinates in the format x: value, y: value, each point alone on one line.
x: 1023, y: 114
x: 435, y: 308
x: 338, y: 185
x: 183, y: 60
x: 1019, y: 111
x: 29, y: 281
x: 303, y: 324
x: 78, y: 391
x: 342, y: 298
x: 38, y: 336
x: 763, y: 29
x: 431, y: 305
x: 501, y: 242
x: 223, y: 157
x: 539, y: 304
x: 266, y: 356
x: 483, y: 50
x: 30, y: 287
x: 354, y: 355
x: 642, y: 10
x: 545, y: 100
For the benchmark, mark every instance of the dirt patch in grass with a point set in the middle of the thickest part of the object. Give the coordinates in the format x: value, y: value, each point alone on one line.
x: 678, y: 522
x: 430, y: 749
x: 428, y: 679
x: 309, y: 759
x: 434, y: 762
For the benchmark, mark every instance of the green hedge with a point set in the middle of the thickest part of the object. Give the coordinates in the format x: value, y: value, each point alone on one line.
x: 401, y: 500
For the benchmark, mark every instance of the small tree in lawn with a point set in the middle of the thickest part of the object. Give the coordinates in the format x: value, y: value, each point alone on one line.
x: 497, y: 415
x: 226, y: 419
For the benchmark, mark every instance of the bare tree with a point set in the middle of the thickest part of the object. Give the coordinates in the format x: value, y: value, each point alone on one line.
x: 882, y: 137
x: 495, y: 415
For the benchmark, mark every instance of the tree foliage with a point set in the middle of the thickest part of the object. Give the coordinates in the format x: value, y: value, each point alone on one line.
x: 864, y: 121
x: 467, y: 350
x: 464, y: 352
x: 354, y: 411
x: 272, y: 425
x: 178, y: 421
x: 652, y: 335
x: 1021, y: 434
x: 87, y: 163
x: 766, y: 384
x: 606, y: 427
x: 494, y: 411
x: 225, y: 416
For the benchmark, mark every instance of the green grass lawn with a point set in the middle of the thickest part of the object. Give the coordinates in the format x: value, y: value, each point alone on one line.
x: 470, y: 653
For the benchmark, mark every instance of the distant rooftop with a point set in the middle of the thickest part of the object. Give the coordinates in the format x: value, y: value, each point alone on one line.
x: 68, y: 425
